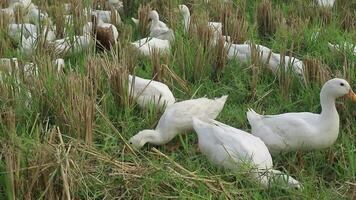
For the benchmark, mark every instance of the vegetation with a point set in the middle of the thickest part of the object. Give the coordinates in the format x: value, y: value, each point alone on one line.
x: 64, y: 136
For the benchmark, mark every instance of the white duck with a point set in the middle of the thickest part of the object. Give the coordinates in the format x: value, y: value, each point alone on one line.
x: 118, y: 5
x: 146, y: 45
x: 345, y: 46
x: 8, y: 13
x: 303, y: 130
x: 75, y: 43
x: 59, y: 64
x: 106, y: 16
x: 234, y: 149
x: 243, y: 53
x: 9, y: 63
x: 27, y: 30
x: 177, y: 119
x: 326, y: 3
x: 158, y: 29
x: 146, y: 91
x: 28, y: 45
x: 216, y: 27
x: 35, y: 15
x: 22, y: 3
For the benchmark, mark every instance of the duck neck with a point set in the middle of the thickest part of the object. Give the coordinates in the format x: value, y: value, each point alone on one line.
x: 328, y: 109
x: 153, y: 137
x: 186, y: 21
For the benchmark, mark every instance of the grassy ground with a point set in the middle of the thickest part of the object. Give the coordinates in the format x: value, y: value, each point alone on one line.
x: 63, y: 137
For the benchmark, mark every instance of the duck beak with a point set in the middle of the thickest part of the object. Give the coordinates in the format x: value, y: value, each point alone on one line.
x: 351, y: 95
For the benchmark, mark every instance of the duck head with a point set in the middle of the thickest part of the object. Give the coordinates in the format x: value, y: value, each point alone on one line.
x: 153, y: 15
x: 184, y: 9
x: 338, y: 87
x: 142, y: 137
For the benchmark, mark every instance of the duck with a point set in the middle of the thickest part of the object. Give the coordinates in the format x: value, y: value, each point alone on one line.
x: 146, y: 91
x: 325, y: 3
x: 106, y: 33
x: 118, y: 5
x: 9, y: 63
x: 272, y: 60
x: 159, y: 29
x: 35, y: 15
x: 216, y: 27
x: 345, y: 46
x: 303, y: 130
x: 23, y: 3
x: 59, y: 64
x: 8, y: 14
x: 145, y: 45
x: 79, y: 43
x: 107, y: 16
x: 177, y: 119
x: 234, y: 149
x: 27, y: 30
x: 28, y: 45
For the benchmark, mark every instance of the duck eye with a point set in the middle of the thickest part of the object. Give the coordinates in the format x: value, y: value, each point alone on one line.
x: 342, y: 84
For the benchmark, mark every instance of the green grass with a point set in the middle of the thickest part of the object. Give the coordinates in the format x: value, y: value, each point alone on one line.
x: 36, y: 163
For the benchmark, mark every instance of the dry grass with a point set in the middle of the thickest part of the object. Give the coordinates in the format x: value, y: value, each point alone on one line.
x: 143, y: 20
x: 266, y: 22
x: 316, y: 71
x: 234, y: 24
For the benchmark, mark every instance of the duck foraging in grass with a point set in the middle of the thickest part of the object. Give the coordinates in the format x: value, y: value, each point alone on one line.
x: 303, y: 130
x: 234, y: 149
x: 177, y: 119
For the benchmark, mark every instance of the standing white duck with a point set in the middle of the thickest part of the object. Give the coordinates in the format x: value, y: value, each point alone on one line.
x: 234, y: 149
x: 303, y: 130
x: 216, y: 27
x: 177, y: 119
x: 158, y: 29
x: 146, y: 91
x: 146, y: 45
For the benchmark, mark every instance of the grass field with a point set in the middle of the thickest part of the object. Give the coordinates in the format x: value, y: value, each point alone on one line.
x: 64, y: 136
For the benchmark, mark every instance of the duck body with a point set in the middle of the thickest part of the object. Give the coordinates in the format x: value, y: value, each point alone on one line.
x: 79, y: 43
x: 146, y: 45
x: 177, y: 119
x: 304, y: 130
x: 146, y: 91
x: 243, y: 52
x: 234, y: 149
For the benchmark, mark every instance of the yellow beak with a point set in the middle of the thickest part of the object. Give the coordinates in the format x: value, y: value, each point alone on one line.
x: 351, y: 95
